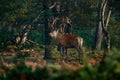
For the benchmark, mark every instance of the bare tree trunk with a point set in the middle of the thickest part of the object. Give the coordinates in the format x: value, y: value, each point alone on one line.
x: 101, y: 29
x: 23, y: 36
x: 99, y: 33
x: 107, y: 36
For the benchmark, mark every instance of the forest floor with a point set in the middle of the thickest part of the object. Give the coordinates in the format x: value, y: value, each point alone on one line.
x: 34, y: 58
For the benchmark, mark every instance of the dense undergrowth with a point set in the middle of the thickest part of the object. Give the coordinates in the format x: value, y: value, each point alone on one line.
x: 109, y: 69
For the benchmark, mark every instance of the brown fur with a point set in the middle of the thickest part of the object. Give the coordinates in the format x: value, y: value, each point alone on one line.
x: 68, y: 41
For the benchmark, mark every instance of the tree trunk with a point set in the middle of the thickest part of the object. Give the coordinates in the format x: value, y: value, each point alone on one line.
x: 98, y: 37
x: 47, y: 54
x: 22, y: 38
x: 61, y: 20
x: 99, y: 33
x: 106, y: 34
x: 101, y: 29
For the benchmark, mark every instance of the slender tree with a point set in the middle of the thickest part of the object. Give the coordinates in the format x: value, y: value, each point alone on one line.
x: 47, y: 54
x: 101, y: 29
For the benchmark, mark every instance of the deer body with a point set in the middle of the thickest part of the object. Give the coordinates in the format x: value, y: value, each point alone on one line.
x: 68, y: 41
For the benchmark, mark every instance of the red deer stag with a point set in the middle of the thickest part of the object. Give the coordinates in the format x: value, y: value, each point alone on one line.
x: 68, y: 41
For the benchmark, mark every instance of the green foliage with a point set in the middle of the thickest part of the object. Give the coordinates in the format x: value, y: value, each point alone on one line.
x: 37, y: 36
x: 87, y: 34
x: 12, y: 9
x: 83, y: 14
x: 6, y: 37
x: 20, y: 72
x: 114, y: 32
x: 107, y: 70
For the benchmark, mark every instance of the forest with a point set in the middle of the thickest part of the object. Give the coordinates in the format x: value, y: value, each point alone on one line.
x: 59, y: 39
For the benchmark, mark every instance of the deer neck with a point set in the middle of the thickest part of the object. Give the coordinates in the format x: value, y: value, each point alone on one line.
x: 58, y: 37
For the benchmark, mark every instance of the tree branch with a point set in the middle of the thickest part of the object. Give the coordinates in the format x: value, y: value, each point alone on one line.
x: 52, y: 6
x: 108, y: 17
x: 103, y: 7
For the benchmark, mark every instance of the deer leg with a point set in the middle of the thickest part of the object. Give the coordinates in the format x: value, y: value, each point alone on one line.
x: 60, y: 48
x: 79, y: 54
x: 65, y: 51
x: 66, y: 54
x: 62, y: 52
